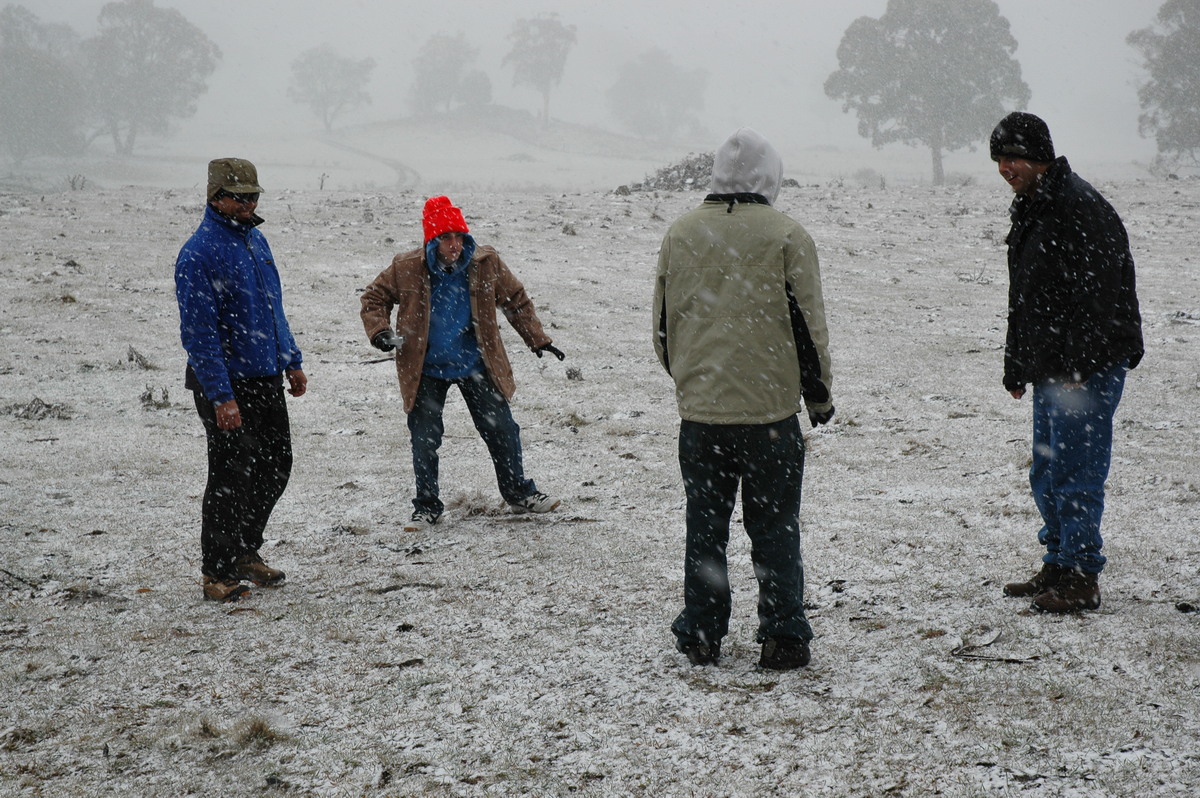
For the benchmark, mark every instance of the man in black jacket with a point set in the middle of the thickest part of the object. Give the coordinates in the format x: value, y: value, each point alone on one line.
x: 1074, y: 330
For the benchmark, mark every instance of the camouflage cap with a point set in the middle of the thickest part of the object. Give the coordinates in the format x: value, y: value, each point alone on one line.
x: 235, y: 175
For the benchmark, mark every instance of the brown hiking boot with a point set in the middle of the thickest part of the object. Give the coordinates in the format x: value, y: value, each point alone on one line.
x: 253, y: 569
x: 1074, y: 592
x: 223, y: 589
x: 1041, y: 582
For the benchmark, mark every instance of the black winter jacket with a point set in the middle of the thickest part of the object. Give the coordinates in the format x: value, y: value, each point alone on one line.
x: 1072, y: 300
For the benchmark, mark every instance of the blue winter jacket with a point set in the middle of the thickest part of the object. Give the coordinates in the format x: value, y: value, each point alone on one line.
x: 231, y: 317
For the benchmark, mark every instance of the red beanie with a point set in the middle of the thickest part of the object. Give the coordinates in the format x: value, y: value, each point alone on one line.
x: 442, y: 217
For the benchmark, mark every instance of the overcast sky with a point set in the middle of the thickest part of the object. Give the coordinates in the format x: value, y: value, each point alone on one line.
x: 767, y: 61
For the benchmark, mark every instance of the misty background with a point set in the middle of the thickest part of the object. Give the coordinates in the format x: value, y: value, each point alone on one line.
x: 766, y: 64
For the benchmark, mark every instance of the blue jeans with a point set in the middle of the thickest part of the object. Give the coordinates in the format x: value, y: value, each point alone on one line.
x: 768, y: 461
x: 492, y: 417
x: 1072, y: 450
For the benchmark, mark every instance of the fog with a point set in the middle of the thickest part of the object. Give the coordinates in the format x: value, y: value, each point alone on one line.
x: 766, y: 64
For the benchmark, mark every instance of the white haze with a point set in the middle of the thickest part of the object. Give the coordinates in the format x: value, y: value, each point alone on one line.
x: 766, y: 65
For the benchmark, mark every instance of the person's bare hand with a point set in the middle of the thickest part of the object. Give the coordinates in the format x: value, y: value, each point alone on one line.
x: 297, y: 382
x: 228, y: 415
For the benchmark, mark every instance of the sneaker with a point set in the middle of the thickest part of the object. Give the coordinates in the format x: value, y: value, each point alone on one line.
x: 535, y: 503
x: 421, y: 520
x: 223, y: 589
x: 251, y: 568
x: 784, y: 654
x: 699, y: 653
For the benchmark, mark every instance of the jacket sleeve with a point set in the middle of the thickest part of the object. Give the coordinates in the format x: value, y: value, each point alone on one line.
x: 518, y: 308
x: 198, y: 326
x: 1012, y: 367
x: 806, y: 305
x: 660, y: 305
x: 377, y: 302
x: 1094, y: 247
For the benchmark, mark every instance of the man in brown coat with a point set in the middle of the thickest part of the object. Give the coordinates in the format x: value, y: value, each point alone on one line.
x: 446, y: 333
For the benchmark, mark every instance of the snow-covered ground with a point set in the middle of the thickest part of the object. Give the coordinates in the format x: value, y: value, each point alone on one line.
x: 497, y: 654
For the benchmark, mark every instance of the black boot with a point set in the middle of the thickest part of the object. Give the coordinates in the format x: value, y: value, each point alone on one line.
x: 784, y: 654
x: 700, y: 653
x: 1075, y: 591
x: 1041, y: 582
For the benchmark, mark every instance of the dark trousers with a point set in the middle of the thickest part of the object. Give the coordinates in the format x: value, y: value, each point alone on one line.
x: 768, y: 461
x: 493, y: 419
x: 248, y: 469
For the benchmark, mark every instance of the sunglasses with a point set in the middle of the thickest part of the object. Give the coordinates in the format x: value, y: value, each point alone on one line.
x: 243, y: 199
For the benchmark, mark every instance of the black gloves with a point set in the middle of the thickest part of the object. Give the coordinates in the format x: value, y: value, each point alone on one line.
x: 821, y: 418
x: 387, y: 340
x: 549, y: 348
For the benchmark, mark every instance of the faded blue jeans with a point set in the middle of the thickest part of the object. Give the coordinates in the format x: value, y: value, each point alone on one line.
x: 492, y: 417
x: 1072, y: 450
x: 767, y: 460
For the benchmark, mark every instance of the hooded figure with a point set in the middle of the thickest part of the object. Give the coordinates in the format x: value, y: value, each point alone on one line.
x: 747, y: 164
x: 740, y: 327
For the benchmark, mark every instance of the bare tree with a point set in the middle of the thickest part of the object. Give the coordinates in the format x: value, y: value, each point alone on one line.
x: 539, y: 55
x: 147, y: 65
x: 330, y: 84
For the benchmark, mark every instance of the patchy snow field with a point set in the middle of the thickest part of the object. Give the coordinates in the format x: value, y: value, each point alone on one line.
x: 499, y: 654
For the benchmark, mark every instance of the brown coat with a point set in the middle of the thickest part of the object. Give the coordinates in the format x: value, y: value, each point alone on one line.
x: 405, y: 285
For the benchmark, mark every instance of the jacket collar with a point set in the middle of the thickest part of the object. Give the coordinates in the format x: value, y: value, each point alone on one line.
x: 228, y: 222
x: 431, y: 258
x: 744, y: 197
x: 1047, y: 188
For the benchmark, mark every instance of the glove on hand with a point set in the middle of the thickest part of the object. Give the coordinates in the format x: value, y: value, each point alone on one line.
x: 387, y: 341
x: 821, y: 418
x: 551, y: 350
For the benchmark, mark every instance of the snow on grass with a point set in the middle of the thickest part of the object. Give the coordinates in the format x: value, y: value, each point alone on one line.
x: 499, y: 654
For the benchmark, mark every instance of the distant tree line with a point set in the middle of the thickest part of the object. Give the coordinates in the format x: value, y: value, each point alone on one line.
x: 929, y: 73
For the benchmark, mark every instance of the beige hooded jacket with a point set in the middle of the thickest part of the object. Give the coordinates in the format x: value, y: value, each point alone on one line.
x: 738, y: 312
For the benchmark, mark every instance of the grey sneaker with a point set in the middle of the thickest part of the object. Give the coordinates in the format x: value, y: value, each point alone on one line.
x: 535, y: 503
x: 421, y: 520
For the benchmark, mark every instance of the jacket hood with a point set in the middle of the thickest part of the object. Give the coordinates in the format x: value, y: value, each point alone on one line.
x: 431, y: 256
x: 747, y: 164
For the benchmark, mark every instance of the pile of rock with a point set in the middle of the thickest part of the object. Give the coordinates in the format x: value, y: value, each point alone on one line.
x: 693, y: 173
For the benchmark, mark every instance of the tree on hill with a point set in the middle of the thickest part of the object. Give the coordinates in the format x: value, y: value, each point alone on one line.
x: 1170, y: 98
x: 147, y: 66
x: 937, y: 73
x: 330, y: 84
x: 539, y: 55
x: 653, y: 98
x: 440, y: 66
x: 41, y: 87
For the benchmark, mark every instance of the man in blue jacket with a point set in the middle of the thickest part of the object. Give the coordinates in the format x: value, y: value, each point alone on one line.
x: 240, y: 350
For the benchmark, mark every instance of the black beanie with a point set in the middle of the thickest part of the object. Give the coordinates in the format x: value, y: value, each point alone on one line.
x: 1022, y: 135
